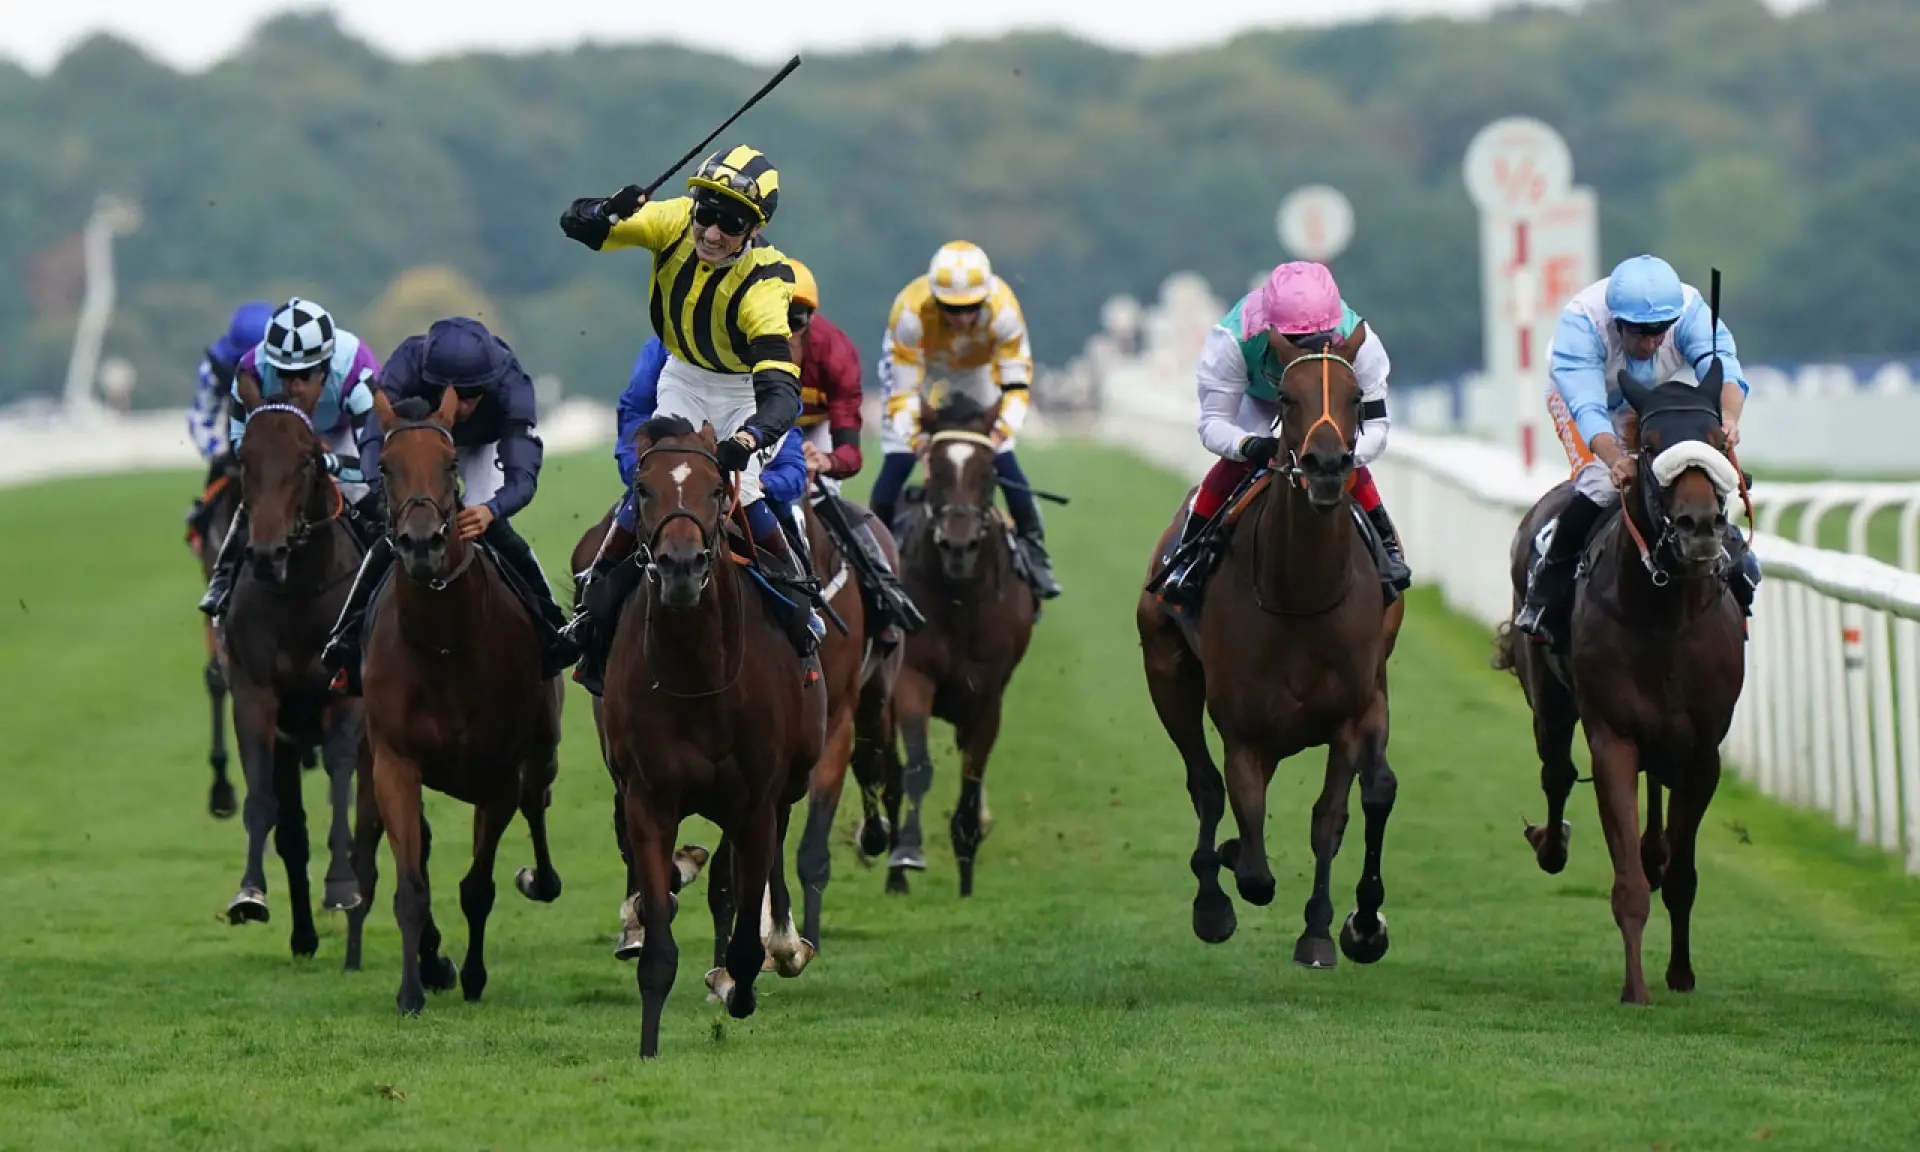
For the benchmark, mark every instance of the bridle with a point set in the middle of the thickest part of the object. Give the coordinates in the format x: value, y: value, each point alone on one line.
x: 709, y: 538
x: 443, y: 511
x: 982, y: 513
x: 303, y: 525
x: 1292, y: 470
x: 1653, y: 503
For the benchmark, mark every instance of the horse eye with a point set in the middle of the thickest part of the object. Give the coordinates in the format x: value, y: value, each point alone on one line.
x: 642, y: 491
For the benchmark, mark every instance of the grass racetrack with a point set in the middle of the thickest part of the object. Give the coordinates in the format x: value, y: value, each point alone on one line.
x: 1066, y: 1005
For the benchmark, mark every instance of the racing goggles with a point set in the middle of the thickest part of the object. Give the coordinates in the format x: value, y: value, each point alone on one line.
x: 1643, y: 331
x: 712, y: 211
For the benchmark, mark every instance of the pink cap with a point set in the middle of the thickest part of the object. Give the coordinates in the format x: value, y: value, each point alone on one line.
x: 1299, y: 297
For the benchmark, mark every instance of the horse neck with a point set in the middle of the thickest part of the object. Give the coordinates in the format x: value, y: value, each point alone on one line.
x: 1640, y: 600
x: 700, y: 638
x: 1304, y: 556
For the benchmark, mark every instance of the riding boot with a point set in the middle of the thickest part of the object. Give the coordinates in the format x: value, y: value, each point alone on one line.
x: 557, y: 649
x: 341, y: 656
x: 1397, y: 573
x: 1743, y: 570
x: 604, y: 587
x: 226, y: 566
x: 1179, y: 588
x: 1033, y: 540
x: 804, y: 626
x: 897, y: 609
x: 1550, y: 580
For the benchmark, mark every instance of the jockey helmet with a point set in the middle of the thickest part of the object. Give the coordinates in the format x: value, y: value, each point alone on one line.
x: 1300, y: 297
x: 805, y: 291
x: 961, y: 275
x: 1645, y: 290
x: 249, y: 324
x: 743, y: 175
x: 460, y: 354
x: 299, y: 335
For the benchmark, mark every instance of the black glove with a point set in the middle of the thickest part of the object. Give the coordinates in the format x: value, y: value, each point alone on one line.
x: 1259, y: 450
x: 583, y: 221
x: 733, y: 454
x: 624, y: 203
x: 372, y: 507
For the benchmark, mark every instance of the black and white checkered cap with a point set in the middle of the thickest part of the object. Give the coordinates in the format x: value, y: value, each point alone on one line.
x: 299, y: 335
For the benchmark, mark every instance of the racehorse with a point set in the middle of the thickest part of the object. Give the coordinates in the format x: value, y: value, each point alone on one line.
x: 454, y: 701
x: 958, y: 565
x: 301, y: 554
x: 1289, y: 654
x: 218, y: 504
x: 706, y: 712
x: 1656, y: 664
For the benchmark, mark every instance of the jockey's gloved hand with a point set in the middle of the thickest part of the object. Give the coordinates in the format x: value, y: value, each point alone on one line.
x: 1259, y: 450
x: 331, y: 463
x: 372, y: 507
x: 623, y: 203
x: 734, y: 452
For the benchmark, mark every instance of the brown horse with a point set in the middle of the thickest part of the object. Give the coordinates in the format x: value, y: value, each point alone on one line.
x: 454, y: 701
x: 1657, y: 664
x: 707, y: 712
x: 218, y: 503
x: 301, y: 554
x: 958, y: 565
x: 1290, y: 653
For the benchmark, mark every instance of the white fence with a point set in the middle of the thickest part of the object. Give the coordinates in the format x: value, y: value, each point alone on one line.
x: 1830, y: 715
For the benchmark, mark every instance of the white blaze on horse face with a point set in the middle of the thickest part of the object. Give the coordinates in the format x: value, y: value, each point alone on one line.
x: 680, y: 473
x: 958, y: 452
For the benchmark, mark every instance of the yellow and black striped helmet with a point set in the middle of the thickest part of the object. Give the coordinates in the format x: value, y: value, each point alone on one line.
x: 743, y: 174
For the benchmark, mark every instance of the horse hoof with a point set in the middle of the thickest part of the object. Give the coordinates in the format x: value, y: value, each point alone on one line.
x: 789, y: 961
x: 220, y: 802
x: 250, y: 906
x: 632, y: 938
x: 1315, y: 952
x: 410, y: 1005
x: 904, y: 857
x: 305, y: 944
x: 1228, y: 853
x: 874, y: 835
x: 1680, y: 979
x: 544, y: 889
x: 341, y: 896
x: 687, y: 863
x: 1255, y: 890
x: 897, y: 882
x: 1552, y: 858
x: 438, y: 974
x: 1363, y: 949
x: 1214, y: 922
x: 719, y: 986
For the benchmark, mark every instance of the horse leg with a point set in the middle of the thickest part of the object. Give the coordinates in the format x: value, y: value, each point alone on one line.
x: 1616, y: 779
x: 892, y: 792
x: 1364, y: 935
x: 340, y: 753
x: 659, y: 957
x: 1554, y: 715
x: 255, y: 715
x: 1653, y: 843
x: 1683, y: 880
x: 1178, y: 686
x: 720, y: 897
x: 436, y: 971
x: 490, y: 822
x: 753, y: 856
x: 541, y: 882
x: 1248, y: 772
x: 913, y: 700
x: 396, y: 784
x: 789, y: 951
x: 872, y: 746
x: 814, y: 862
x: 627, y: 947
x: 366, y: 847
x: 976, y: 745
x: 220, y: 799
x: 1314, y: 948
x: 290, y: 843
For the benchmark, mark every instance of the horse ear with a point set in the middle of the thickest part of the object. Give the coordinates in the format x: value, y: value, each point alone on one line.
x: 383, y: 408
x: 707, y: 435
x: 449, y: 405
x: 1350, y: 347
x: 1637, y: 394
x: 1286, y: 350
x: 247, y: 386
x: 1711, y: 382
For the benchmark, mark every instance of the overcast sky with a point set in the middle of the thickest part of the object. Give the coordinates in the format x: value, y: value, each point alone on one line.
x: 191, y: 34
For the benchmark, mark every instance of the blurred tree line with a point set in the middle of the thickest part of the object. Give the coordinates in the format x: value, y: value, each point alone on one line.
x: 1784, y: 149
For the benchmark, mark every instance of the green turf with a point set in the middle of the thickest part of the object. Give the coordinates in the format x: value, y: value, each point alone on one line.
x: 1067, y: 1005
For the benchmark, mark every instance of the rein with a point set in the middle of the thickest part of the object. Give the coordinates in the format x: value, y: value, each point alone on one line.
x: 980, y: 512
x: 644, y: 556
x: 303, y: 525
x: 438, y: 583
x: 1295, y: 474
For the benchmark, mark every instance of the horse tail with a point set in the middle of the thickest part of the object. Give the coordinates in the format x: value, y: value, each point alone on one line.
x: 1503, y: 649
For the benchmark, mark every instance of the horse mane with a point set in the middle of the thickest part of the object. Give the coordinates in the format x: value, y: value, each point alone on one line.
x: 413, y: 408
x: 661, y: 427
x: 958, y: 411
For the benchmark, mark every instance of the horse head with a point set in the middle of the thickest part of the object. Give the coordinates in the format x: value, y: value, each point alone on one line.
x: 960, y: 482
x: 1684, y: 475
x: 1319, y: 421
x: 420, y: 476
x: 283, y: 479
x: 681, y: 498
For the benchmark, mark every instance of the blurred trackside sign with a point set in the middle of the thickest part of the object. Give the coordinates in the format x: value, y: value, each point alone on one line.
x: 1315, y: 222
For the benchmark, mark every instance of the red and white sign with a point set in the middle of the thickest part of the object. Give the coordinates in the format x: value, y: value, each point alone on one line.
x: 1315, y: 222
x: 1516, y: 165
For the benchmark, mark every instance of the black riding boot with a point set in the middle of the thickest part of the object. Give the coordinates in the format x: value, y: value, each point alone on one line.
x: 1743, y: 570
x: 1179, y: 588
x: 896, y: 606
x: 604, y: 587
x: 341, y: 656
x: 804, y: 626
x: 557, y: 649
x: 1397, y: 573
x: 1033, y: 538
x: 226, y: 566
x: 1550, y: 580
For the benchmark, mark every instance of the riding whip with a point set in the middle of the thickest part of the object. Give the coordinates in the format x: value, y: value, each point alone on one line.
x: 769, y: 86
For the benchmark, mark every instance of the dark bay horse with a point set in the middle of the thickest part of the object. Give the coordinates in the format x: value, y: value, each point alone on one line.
x: 958, y: 565
x: 707, y: 712
x: 1289, y: 654
x: 454, y: 701
x: 218, y: 504
x: 301, y: 555
x: 1656, y: 664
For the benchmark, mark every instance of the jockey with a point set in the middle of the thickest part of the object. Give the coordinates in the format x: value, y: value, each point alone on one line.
x: 206, y: 421
x: 782, y: 482
x: 961, y: 325
x: 304, y: 359
x: 718, y: 301
x: 830, y: 425
x: 1642, y: 320
x: 1238, y: 405
x: 499, y: 458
